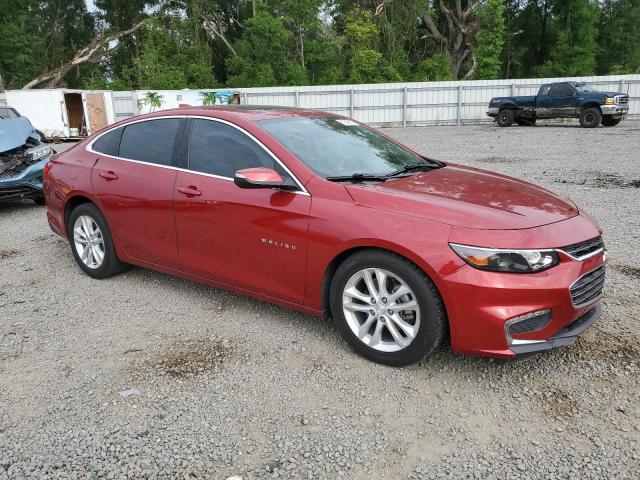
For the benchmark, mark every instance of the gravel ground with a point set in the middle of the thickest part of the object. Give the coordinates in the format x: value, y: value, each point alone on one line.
x: 144, y: 375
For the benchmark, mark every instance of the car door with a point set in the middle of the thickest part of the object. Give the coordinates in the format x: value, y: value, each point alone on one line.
x: 134, y: 179
x: 250, y: 238
x: 561, y: 100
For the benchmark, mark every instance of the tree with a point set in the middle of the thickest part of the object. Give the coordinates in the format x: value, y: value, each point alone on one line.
x: 576, y: 49
x: 489, y: 39
x: 366, y: 64
x: 263, y: 57
x: 619, y: 40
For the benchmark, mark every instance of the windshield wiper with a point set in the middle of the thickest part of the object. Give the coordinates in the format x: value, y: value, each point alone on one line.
x: 414, y: 167
x: 358, y: 177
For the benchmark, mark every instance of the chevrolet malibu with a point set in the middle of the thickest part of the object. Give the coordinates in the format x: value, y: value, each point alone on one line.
x: 320, y: 213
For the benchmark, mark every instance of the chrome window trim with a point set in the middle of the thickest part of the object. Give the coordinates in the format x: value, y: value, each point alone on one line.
x: 582, y: 305
x: 584, y: 257
x: 89, y: 148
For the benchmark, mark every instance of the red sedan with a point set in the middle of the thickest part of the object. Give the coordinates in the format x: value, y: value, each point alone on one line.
x: 320, y: 213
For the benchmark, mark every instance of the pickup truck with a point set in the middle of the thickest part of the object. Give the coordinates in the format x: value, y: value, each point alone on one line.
x: 561, y: 100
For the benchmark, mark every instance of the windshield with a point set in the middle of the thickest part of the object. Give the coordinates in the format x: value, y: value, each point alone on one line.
x: 334, y: 147
x: 583, y: 87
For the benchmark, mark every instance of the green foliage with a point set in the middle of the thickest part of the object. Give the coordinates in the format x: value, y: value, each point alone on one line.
x: 153, y: 99
x: 433, y: 69
x: 366, y: 64
x: 263, y: 55
x: 297, y: 42
x: 169, y: 59
x: 619, y: 45
x: 576, y: 48
x: 208, y: 98
x: 490, y: 39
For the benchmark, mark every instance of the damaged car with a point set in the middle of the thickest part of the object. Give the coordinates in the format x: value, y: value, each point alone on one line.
x: 23, y: 155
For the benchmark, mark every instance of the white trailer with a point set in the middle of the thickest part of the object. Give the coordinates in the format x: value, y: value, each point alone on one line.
x: 63, y: 113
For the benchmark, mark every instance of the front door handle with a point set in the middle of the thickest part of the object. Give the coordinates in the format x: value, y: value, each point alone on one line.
x: 190, y: 191
x: 109, y: 175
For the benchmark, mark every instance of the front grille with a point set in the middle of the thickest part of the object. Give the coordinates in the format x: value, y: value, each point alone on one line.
x: 622, y: 99
x: 588, y: 287
x: 583, y: 250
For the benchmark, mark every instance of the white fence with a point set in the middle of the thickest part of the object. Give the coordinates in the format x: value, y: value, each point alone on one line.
x: 387, y: 104
x: 424, y: 103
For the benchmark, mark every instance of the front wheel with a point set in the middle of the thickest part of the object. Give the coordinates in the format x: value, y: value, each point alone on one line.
x: 505, y: 118
x: 386, y: 308
x: 590, y: 117
x: 91, y: 242
x: 609, y: 121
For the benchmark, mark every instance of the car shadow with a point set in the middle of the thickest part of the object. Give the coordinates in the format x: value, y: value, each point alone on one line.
x: 12, y: 206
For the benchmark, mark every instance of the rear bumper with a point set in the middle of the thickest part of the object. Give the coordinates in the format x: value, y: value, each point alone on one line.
x: 492, y: 111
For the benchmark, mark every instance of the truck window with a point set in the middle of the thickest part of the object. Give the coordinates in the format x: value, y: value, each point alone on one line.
x: 561, y: 90
x: 544, y: 90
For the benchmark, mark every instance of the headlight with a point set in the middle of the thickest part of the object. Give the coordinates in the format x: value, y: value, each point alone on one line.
x: 608, y: 101
x: 514, y: 261
x: 38, y: 153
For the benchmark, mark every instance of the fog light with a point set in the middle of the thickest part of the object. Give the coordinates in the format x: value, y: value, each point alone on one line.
x: 531, y: 322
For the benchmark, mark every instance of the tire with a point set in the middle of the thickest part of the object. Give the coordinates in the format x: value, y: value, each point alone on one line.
x: 39, y: 200
x: 609, y: 121
x: 590, y: 117
x: 526, y: 122
x: 505, y: 118
x: 87, y: 216
x: 426, y: 321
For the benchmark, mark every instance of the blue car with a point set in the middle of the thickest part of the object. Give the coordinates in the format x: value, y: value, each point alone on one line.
x: 23, y: 156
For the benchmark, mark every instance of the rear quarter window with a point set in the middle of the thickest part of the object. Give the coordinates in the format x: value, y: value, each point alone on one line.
x: 108, y: 143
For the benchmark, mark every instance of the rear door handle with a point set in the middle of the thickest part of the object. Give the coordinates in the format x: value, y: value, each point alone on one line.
x: 190, y: 191
x: 110, y: 175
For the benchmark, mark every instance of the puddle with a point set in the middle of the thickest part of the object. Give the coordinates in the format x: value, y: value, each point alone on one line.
x: 188, y: 358
x: 558, y: 402
x: 9, y: 253
x: 497, y: 160
x: 628, y: 270
x: 603, y: 180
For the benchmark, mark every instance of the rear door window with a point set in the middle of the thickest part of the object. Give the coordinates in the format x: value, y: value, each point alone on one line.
x: 151, y: 141
x: 561, y: 90
x: 109, y: 143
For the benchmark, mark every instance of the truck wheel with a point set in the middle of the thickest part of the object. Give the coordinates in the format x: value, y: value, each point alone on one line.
x: 590, y: 117
x: 505, y: 118
x: 608, y: 121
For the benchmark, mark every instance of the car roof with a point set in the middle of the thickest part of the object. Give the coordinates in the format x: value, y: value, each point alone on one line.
x: 251, y: 113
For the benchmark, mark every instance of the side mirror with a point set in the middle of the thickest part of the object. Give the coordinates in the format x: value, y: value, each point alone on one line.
x: 258, y: 178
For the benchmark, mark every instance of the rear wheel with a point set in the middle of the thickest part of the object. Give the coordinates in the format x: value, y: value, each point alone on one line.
x: 609, y: 121
x: 590, y: 117
x: 91, y: 242
x: 505, y: 118
x: 386, y: 308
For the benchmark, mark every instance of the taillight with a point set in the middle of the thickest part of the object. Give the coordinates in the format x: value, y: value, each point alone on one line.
x: 47, y: 167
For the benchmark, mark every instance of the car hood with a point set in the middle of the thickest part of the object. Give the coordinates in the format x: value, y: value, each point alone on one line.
x: 14, y: 132
x: 466, y: 197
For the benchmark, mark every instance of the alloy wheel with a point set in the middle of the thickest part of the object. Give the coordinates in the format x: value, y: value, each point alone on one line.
x: 88, y: 241
x: 381, y: 309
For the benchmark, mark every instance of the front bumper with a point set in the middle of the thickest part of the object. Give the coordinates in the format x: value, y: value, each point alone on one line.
x: 564, y: 338
x: 481, y: 304
x: 26, y: 184
x: 614, y: 109
x: 492, y: 111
